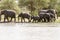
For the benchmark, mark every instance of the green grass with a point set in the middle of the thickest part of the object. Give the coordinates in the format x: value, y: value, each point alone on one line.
x: 58, y: 20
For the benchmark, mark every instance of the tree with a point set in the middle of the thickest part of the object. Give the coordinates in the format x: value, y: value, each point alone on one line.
x: 28, y: 3
x: 58, y: 7
x: 21, y: 3
x: 36, y: 5
x: 52, y: 4
x: 9, y: 4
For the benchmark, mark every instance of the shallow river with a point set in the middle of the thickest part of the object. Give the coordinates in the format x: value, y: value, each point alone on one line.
x: 29, y: 31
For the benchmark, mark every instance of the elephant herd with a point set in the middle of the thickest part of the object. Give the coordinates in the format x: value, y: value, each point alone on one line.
x: 43, y: 16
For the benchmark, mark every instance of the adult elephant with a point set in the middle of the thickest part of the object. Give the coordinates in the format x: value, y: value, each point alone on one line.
x: 23, y: 16
x: 44, y: 16
x: 53, y: 14
x: 8, y: 14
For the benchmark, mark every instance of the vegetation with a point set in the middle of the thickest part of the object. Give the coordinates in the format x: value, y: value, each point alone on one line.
x: 31, y: 5
x: 35, y: 5
x: 9, y: 4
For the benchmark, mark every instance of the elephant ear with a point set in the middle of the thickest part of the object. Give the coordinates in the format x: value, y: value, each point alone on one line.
x: 2, y: 12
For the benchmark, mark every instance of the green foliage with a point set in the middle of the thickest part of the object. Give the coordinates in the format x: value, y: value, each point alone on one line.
x: 21, y: 3
x: 9, y: 4
x: 52, y: 4
x: 32, y: 5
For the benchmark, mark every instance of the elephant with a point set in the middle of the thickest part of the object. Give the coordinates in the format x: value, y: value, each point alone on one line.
x: 53, y: 14
x: 35, y: 18
x: 44, y: 16
x: 23, y: 16
x: 8, y: 14
x: 49, y: 15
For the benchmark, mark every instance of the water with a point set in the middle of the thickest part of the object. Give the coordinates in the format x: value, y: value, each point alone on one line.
x: 29, y: 31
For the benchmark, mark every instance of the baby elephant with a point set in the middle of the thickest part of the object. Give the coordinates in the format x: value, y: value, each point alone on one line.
x: 35, y: 18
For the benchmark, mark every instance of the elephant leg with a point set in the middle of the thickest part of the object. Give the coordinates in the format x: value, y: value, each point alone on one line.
x: 29, y: 19
x: 15, y: 19
x: 4, y: 19
x: 44, y: 19
x: 54, y: 19
x: 21, y: 19
x: 24, y: 19
x: 11, y: 20
x: 48, y: 19
x: 7, y: 19
x: 39, y: 20
x: 18, y: 19
x: 0, y: 17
